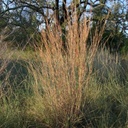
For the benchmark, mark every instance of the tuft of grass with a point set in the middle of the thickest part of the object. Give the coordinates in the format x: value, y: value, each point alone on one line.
x: 63, y: 75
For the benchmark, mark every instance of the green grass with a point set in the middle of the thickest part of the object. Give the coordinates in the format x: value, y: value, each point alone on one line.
x: 103, y: 106
x: 16, y: 54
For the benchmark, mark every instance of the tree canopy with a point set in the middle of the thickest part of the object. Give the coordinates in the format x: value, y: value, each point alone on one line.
x: 25, y: 18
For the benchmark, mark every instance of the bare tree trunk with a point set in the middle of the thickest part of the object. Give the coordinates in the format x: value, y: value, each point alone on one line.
x: 64, y: 10
x: 57, y: 11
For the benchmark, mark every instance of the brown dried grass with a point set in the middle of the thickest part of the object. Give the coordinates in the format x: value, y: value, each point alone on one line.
x: 63, y: 74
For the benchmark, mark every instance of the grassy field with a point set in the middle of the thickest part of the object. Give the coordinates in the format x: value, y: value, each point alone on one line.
x: 52, y: 88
